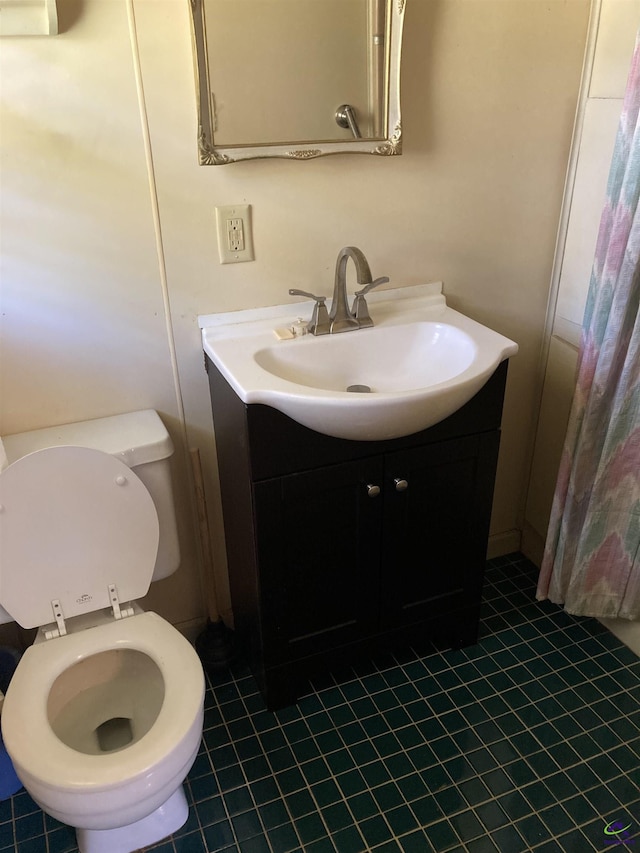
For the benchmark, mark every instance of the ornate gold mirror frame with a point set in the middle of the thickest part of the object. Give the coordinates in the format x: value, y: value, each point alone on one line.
x: 210, y: 154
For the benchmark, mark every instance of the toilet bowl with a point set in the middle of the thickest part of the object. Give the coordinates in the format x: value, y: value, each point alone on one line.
x: 103, y: 717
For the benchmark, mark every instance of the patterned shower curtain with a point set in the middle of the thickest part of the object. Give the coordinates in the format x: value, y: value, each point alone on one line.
x: 592, y: 554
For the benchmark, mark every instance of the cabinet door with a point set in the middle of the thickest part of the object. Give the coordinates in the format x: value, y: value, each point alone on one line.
x: 318, y: 540
x: 437, y: 511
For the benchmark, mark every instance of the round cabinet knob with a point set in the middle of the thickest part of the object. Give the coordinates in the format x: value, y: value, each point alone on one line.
x: 373, y: 491
x: 401, y: 485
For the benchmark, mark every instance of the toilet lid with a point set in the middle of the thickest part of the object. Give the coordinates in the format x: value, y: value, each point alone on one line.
x: 73, y: 520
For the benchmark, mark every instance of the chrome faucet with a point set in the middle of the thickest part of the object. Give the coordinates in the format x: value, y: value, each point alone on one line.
x: 340, y: 317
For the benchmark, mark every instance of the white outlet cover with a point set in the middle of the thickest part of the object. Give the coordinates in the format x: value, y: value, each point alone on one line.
x: 223, y: 215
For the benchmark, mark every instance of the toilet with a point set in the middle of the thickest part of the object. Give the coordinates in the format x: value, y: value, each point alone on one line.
x: 103, y: 716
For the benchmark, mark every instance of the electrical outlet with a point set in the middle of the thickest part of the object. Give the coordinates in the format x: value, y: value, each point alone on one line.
x: 235, y: 241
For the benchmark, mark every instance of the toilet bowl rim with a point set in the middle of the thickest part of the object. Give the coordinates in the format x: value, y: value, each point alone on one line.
x: 47, y: 759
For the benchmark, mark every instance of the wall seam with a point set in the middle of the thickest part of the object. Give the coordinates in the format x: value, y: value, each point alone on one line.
x: 561, y: 235
x: 155, y: 212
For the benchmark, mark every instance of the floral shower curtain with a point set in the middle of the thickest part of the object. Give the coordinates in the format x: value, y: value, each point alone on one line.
x: 592, y: 554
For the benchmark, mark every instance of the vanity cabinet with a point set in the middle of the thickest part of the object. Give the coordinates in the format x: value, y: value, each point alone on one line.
x: 338, y: 549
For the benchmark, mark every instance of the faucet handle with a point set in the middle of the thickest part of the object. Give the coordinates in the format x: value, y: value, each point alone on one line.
x: 319, y: 324
x: 382, y: 280
x: 295, y: 292
x: 360, y: 308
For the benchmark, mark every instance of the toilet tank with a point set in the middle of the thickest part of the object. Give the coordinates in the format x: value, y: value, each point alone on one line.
x: 141, y: 441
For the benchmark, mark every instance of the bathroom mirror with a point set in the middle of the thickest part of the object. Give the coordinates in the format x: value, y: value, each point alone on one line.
x: 297, y: 78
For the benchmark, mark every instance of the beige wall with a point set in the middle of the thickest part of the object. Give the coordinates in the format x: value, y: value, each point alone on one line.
x: 108, y: 227
x: 613, y: 31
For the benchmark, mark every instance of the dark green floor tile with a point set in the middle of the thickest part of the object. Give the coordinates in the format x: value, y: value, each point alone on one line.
x: 441, y: 835
x: 352, y: 733
x: 508, y: 840
x: 474, y: 791
x: 412, y: 787
x: 415, y: 842
x: 459, y: 769
x: 482, y: 760
x: 514, y: 805
x: 210, y: 811
x: 283, y: 838
x: 422, y: 757
x: 319, y: 723
x: 363, y: 806
x: 565, y: 756
x: 401, y: 820
x: 498, y: 782
x: 398, y: 765
x: 256, y: 768
x: 445, y: 748
x: 305, y: 750
x: 273, y: 814
x: 580, y: 809
x: 542, y: 764
x: 510, y: 723
x: 426, y: 810
x: 290, y: 780
x: 363, y: 707
x: 520, y: 772
x: 326, y: 792
x: 351, y: 783
x: 329, y: 741
x: 300, y: 803
x: 340, y: 761
x: 450, y: 800
x: 218, y: 835
x: 322, y: 845
x: 467, y: 825
x: 387, y: 796
x: 315, y: 771
x: 560, y: 786
x: 410, y: 736
x: 337, y: 816
x: 348, y: 840
x: 229, y: 778
x: 310, y: 828
x: 460, y: 750
x: 480, y: 845
x: 390, y: 846
x: 623, y: 788
x: 192, y: 843
x: 467, y: 740
x: 504, y: 751
x: 602, y: 800
x: 246, y: 825
x: 624, y: 757
x: 264, y: 790
x: 533, y: 830
x: 435, y: 778
x: 575, y: 842
x: 491, y: 815
x: 386, y: 744
x: 374, y: 830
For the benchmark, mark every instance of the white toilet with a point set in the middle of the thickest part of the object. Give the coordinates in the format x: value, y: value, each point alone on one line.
x: 103, y: 717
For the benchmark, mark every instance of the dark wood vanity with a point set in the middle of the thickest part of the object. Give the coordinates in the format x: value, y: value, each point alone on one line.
x: 338, y: 549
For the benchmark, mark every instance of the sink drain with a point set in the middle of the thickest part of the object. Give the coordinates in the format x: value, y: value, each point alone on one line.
x: 359, y: 389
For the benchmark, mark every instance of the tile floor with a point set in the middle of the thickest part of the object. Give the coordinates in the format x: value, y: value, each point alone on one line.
x: 527, y: 741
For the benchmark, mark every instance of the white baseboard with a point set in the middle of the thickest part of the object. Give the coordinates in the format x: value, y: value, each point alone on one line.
x: 532, y: 544
x: 503, y: 543
x: 626, y: 630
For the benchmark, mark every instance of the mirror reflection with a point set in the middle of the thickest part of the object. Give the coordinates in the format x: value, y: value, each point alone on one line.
x: 309, y: 77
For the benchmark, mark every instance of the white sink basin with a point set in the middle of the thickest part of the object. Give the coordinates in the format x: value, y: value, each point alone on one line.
x: 419, y: 363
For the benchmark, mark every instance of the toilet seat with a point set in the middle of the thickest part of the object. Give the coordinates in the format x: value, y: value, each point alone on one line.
x: 76, y: 524
x: 38, y: 752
